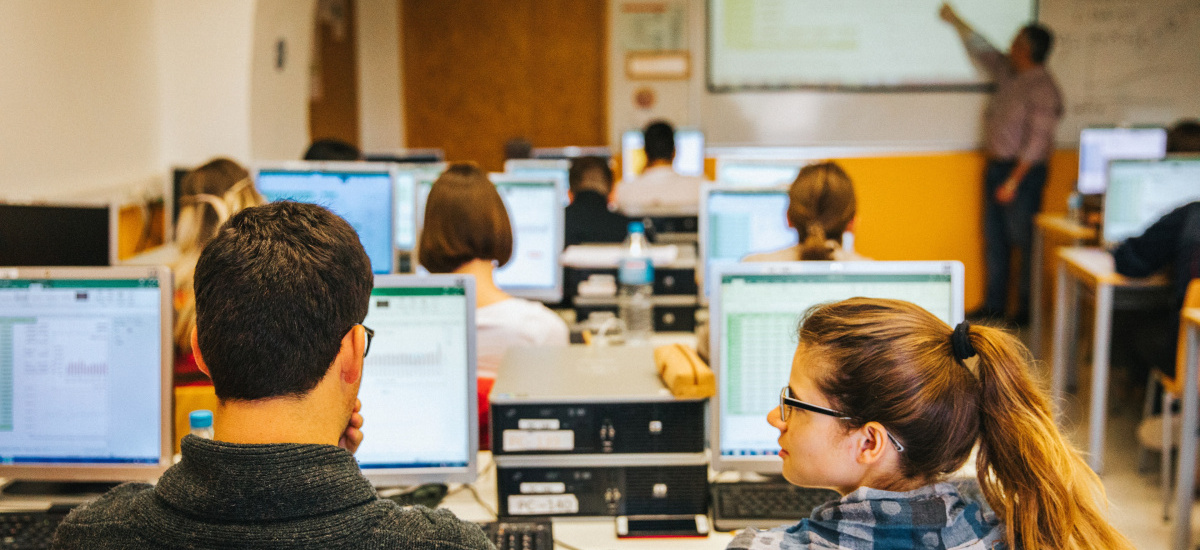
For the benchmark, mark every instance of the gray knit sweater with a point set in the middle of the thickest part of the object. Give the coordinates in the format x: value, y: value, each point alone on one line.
x: 225, y: 495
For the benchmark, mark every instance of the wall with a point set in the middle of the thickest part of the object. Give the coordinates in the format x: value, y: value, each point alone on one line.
x: 79, y: 97
x: 279, y: 93
x: 380, y: 111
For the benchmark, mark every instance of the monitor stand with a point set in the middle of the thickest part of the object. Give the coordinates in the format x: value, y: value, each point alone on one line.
x: 20, y: 488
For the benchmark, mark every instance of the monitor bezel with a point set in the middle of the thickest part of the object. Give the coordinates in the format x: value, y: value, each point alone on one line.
x: 411, y: 168
x: 1104, y: 221
x: 552, y: 294
x: 82, y: 472
x: 798, y: 162
x: 394, y: 477
x: 1089, y: 129
x: 706, y: 192
x: 773, y: 464
x: 521, y: 166
x: 360, y: 167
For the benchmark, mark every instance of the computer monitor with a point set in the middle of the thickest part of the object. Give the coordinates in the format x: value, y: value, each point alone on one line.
x: 359, y: 192
x: 535, y: 211
x: 1098, y: 146
x: 548, y: 168
x: 408, y: 156
x: 410, y: 205
x: 418, y: 382
x: 58, y: 235
x: 758, y: 172
x: 736, y: 222
x: 754, y: 314
x: 689, y: 153
x: 1142, y: 191
x: 571, y: 152
x: 85, y: 373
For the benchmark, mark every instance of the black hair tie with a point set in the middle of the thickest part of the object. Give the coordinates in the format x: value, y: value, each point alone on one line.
x: 960, y: 341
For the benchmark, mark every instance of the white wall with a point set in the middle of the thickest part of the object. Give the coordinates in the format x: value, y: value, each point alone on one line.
x: 78, y: 97
x: 279, y: 95
x: 380, y: 109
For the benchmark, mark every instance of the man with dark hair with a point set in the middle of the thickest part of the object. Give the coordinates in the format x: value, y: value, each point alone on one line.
x: 1019, y: 138
x: 281, y: 292
x: 588, y: 219
x: 332, y: 149
x: 659, y: 188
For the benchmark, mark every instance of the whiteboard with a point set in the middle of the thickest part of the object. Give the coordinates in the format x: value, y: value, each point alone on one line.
x: 757, y: 44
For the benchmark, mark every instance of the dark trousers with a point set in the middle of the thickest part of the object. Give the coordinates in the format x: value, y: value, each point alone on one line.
x: 1009, y: 226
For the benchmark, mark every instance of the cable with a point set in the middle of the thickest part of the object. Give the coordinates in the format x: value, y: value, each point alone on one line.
x: 565, y: 545
x: 479, y: 500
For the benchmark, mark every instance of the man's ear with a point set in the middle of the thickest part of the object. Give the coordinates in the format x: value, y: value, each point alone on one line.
x: 196, y: 353
x: 872, y: 443
x: 354, y: 343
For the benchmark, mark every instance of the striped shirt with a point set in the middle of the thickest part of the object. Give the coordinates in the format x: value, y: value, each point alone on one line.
x: 1025, y: 109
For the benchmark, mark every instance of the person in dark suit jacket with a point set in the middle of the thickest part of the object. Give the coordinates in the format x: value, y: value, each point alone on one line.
x: 588, y: 219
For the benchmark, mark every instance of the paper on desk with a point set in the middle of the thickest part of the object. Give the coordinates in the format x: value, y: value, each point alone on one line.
x: 602, y: 256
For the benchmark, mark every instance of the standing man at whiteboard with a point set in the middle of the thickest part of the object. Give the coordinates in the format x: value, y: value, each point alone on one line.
x: 1019, y: 138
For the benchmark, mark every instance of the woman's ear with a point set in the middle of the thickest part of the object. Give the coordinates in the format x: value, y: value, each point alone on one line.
x: 850, y: 226
x: 871, y: 443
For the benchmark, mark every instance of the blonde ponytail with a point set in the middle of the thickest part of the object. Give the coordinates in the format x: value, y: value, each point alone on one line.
x: 1033, y: 478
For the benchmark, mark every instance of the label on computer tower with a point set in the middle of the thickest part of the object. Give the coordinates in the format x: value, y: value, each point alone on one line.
x: 543, y: 488
x: 538, y: 424
x: 538, y: 440
x: 526, y: 505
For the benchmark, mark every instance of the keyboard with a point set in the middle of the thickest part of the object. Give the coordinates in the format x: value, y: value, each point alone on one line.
x: 764, y: 505
x: 29, y: 530
x: 521, y: 534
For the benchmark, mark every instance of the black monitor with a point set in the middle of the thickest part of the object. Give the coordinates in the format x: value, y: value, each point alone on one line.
x: 408, y: 156
x: 57, y: 235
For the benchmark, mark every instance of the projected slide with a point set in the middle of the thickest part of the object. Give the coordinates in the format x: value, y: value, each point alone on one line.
x: 851, y: 43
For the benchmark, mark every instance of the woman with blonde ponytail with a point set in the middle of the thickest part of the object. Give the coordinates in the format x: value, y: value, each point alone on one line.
x: 885, y: 401
x: 821, y: 207
x: 211, y: 194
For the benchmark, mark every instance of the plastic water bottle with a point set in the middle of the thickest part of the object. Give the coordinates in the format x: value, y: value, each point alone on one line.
x: 201, y: 422
x: 635, y: 273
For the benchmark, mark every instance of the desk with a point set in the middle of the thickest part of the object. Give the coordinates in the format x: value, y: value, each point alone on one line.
x: 1185, y: 473
x: 1062, y: 227
x: 583, y: 533
x: 1094, y: 268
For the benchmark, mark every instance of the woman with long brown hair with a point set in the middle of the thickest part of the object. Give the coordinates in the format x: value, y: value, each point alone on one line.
x: 885, y: 400
x: 822, y: 206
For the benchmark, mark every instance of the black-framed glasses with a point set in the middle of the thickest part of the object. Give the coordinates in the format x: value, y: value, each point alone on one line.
x: 370, y: 336
x: 787, y: 402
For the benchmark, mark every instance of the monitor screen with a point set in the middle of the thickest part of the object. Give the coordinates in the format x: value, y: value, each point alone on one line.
x: 536, y: 213
x: 559, y: 170
x: 737, y: 222
x: 758, y: 172
x: 755, y: 314
x: 1142, y: 191
x: 357, y: 191
x: 57, y: 235
x: 418, y: 384
x: 410, y: 206
x: 689, y: 153
x: 1098, y: 146
x: 84, y: 373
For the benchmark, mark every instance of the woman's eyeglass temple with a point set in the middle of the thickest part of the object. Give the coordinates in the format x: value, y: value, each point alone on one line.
x: 787, y: 402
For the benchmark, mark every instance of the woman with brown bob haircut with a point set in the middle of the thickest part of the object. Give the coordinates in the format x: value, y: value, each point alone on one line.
x: 885, y: 401
x: 467, y: 231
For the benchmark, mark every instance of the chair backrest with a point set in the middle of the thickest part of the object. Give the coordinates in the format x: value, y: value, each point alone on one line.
x: 1190, y: 299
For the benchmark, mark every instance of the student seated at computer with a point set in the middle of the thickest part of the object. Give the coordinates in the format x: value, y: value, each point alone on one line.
x: 332, y: 149
x: 210, y: 195
x: 467, y: 231
x: 659, y: 188
x: 821, y: 207
x: 885, y: 400
x: 587, y: 218
x: 281, y: 292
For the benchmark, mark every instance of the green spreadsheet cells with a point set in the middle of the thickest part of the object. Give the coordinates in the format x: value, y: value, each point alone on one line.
x: 758, y: 359
x: 6, y: 368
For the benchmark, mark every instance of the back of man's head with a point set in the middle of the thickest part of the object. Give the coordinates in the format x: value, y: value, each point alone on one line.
x: 1184, y: 137
x: 276, y: 291
x: 332, y: 149
x: 659, y: 141
x: 1040, y: 41
x: 591, y: 174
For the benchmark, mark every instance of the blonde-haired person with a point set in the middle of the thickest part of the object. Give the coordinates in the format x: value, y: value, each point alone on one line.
x: 467, y: 231
x: 821, y: 207
x: 885, y: 400
x: 210, y: 195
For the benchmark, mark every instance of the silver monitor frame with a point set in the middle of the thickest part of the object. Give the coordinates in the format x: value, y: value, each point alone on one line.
x: 390, y: 477
x: 706, y: 192
x: 773, y: 464
x: 1113, y: 129
x: 83, y: 472
x: 1105, y: 239
x: 554, y: 293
